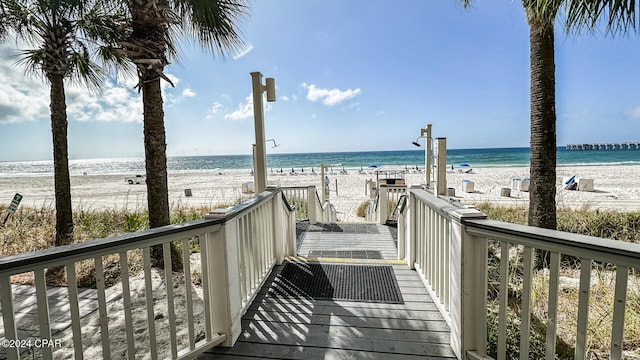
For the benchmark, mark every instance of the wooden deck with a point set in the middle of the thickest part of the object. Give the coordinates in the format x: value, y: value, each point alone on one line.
x: 292, y: 328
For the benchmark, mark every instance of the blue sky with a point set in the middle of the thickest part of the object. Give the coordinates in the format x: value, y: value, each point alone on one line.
x: 350, y: 77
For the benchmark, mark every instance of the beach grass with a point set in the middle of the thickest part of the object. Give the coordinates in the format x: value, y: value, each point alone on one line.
x: 615, y: 225
x: 31, y: 229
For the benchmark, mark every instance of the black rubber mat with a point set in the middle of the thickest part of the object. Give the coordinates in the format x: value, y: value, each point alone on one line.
x: 347, y: 254
x: 365, y: 283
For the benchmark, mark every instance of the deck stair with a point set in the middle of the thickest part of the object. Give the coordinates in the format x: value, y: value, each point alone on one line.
x: 289, y: 321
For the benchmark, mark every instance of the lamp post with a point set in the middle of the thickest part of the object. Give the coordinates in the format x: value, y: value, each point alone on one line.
x: 260, y: 154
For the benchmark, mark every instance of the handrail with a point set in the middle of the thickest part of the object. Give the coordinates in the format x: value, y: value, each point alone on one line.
x: 239, y: 247
x: 315, y: 209
x: 400, y: 206
x: 623, y: 253
x: 448, y: 246
x: 20, y: 263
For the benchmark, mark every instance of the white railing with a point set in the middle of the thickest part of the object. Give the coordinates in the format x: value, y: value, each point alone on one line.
x: 238, y: 247
x: 308, y: 204
x: 300, y: 197
x: 381, y: 208
x: 449, y: 247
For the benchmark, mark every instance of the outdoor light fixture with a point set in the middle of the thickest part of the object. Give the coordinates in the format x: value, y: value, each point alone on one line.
x: 271, y: 89
x: 260, y: 154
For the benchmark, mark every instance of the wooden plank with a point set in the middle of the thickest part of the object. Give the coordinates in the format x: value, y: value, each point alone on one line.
x: 340, y: 311
x: 186, y: 267
x: 267, y: 336
x: 617, y: 331
x: 270, y: 351
x: 74, y: 309
x: 168, y: 278
x: 380, y: 323
x: 583, y: 309
x: 303, y: 328
x: 553, y: 306
x: 148, y: 292
x: 413, y: 305
x: 503, y: 298
x: 126, y: 300
x: 283, y: 330
x: 43, y: 311
x: 527, y: 275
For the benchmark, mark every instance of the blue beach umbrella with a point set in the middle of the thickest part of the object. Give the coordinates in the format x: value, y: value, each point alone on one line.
x: 464, y: 164
x: 373, y: 165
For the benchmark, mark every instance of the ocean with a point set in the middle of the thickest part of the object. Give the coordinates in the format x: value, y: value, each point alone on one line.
x: 479, y: 158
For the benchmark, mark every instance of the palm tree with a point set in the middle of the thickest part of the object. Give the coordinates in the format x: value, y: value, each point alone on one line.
x: 62, y: 33
x: 155, y: 28
x: 541, y: 16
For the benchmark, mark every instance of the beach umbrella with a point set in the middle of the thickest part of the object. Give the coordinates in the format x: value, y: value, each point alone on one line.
x: 464, y: 164
x: 373, y: 165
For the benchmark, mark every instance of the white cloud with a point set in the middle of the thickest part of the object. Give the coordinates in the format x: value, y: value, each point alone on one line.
x: 244, y: 111
x: 244, y: 52
x: 22, y: 98
x: 329, y: 97
x: 188, y: 93
x: 116, y: 103
x: 214, y: 109
x: 284, y: 98
x: 25, y: 98
x: 634, y: 113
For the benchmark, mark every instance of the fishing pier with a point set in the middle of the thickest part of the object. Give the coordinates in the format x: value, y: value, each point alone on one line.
x: 605, y: 146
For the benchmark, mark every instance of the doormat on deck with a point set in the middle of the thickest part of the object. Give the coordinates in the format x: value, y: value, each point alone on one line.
x: 364, y: 283
x: 347, y: 254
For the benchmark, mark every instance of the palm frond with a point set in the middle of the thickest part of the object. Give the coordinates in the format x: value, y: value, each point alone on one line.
x: 618, y: 16
x: 215, y: 25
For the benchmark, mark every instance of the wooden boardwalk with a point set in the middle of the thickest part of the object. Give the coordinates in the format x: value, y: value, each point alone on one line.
x: 298, y: 328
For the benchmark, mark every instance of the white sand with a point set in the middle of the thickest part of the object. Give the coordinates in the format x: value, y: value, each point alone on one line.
x: 616, y: 187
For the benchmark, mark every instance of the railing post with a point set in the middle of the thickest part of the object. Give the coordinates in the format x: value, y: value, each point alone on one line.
x: 383, y: 203
x: 223, y: 270
x: 412, y: 237
x: 279, y: 232
x: 402, y: 235
x: 291, y: 247
x: 468, y: 282
x: 311, y: 205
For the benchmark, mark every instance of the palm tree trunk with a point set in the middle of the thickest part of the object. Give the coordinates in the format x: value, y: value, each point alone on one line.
x: 155, y: 151
x: 62, y: 182
x: 542, y: 192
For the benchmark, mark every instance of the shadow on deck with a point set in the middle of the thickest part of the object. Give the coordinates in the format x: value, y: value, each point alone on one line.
x: 292, y: 319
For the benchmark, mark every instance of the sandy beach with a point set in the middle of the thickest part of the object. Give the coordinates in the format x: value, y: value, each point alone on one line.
x: 615, y: 188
